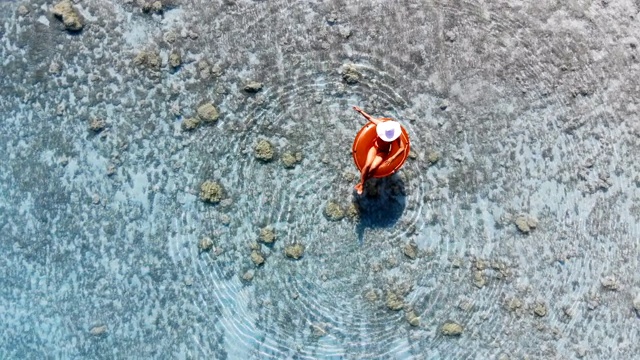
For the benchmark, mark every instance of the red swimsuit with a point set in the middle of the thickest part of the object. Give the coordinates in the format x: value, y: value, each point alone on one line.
x: 382, y: 146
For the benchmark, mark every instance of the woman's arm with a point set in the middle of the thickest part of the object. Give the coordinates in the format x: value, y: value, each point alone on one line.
x: 400, y: 150
x: 367, y: 116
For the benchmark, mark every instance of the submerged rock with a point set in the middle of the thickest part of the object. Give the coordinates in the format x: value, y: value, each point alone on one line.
x: 350, y: 74
x: 175, y: 60
x: 610, y: 283
x: 248, y: 275
x: 155, y: 7
x: 252, y: 87
x: 353, y: 211
x: 451, y: 328
x: 98, y: 330
x: 412, y: 318
x: 267, y: 235
x: 411, y: 250
x: 371, y: 295
x: 207, y: 112
x: 149, y: 59
x: 525, y: 223
x: 394, y: 302
x: 333, y: 211
x: 636, y: 305
x: 211, y: 191
x: 540, y: 309
x: 189, y: 124
x: 70, y: 17
x: 257, y: 257
x: 205, y: 244
x: 290, y: 160
x: 294, y: 251
x: 97, y: 125
x: 264, y: 151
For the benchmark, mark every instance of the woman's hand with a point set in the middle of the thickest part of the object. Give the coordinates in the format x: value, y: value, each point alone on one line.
x: 357, y: 109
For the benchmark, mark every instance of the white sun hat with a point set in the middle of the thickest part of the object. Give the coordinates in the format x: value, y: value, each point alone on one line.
x: 388, y: 130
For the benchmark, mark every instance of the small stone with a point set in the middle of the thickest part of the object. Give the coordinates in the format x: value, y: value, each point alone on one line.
x: 349, y: 176
x: 98, y: 330
x: 205, y: 244
x: 350, y: 74
x: 267, y: 235
x: 175, y: 60
x: 248, y: 275
x: 394, y: 302
x: 71, y: 19
x: 152, y: 7
x: 211, y: 191
x: 333, y: 211
x: 479, y: 279
x: 636, y: 305
x: 140, y: 59
x: 345, y: 32
x: 319, y: 330
x: 97, y: 125
x: 252, y: 87
x: 514, y: 304
x: 568, y: 311
x: 332, y: 19
x: 411, y: 250
x: 353, y: 211
x: 451, y: 328
x: 593, y: 300
x: 480, y: 264
x: 156, y: 6
x: 23, y: 10
x: 444, y: 104
x: 294, y: 251
x: 190, y: 124
x: 55, y: 68
x: 95, y: 199
x: 153, y: 60
x: 457, y: 263
x: 264, y: 151
x: 204, y: 70
x: 257, y: 257
x: 433, y: 157
x: 526, y: 223
x: 170, y: 37
x: 111, y: 169
x: 466, y: 305
x: 610, y: 283
x: 371, y: 295
x: 450, y: 36
x: 540, y: 309
x: 207, y: 112
x: 413, y: 318
x: 290, y: 160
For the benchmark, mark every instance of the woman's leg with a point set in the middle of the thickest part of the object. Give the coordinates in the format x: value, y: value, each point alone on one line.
x: 372, y: 163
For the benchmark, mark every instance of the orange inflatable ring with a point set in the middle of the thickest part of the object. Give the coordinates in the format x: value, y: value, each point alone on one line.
x: 364, y: 141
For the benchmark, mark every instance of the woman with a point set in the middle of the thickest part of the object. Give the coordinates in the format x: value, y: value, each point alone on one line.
x: 389, y: 132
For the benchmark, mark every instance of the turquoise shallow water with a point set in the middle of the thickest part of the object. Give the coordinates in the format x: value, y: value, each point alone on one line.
x: 511, y: 232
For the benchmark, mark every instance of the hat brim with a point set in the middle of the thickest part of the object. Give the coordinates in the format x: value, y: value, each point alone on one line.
x: 383, y: 128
